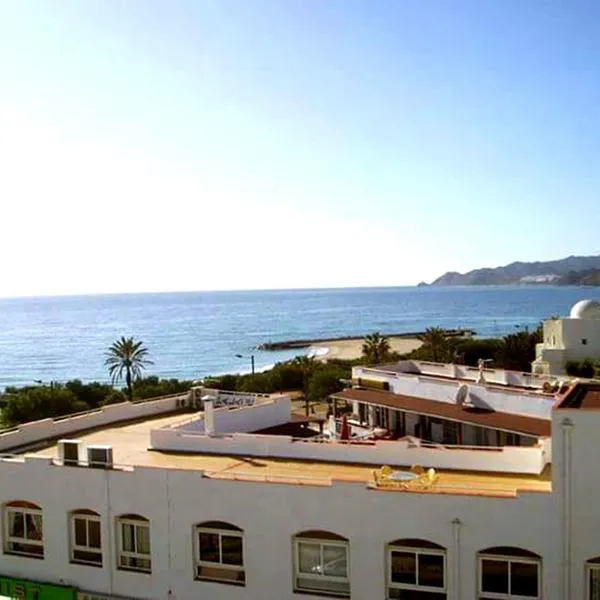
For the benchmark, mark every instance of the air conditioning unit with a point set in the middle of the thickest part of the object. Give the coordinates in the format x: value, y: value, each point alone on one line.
x: 100, y: 457
x: 70, y: 452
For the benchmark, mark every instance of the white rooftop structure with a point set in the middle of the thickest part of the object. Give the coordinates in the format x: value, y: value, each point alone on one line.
x: 572, y: 338
x: 585, y: 309
x: 454, y: 483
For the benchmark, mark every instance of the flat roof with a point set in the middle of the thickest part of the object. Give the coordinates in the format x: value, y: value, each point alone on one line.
x: 454, y: 412
x: 397, y: 369
x: 130, y: 443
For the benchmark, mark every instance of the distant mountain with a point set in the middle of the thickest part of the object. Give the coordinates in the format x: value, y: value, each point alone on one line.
x: 587, y: 277
x: 561, y: 271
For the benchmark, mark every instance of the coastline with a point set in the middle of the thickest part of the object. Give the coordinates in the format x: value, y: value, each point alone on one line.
x: 349, y: 349
x: 309, y: 343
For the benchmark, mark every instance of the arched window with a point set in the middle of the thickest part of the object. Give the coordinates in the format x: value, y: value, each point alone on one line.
x: 23, y: 526
x: 592, y: 575
x: 507, y: 573
x: 86, y: 538
x: 219, y: 551
x: 133, y: 536
x: 321, y: 563
x: 416, y: 569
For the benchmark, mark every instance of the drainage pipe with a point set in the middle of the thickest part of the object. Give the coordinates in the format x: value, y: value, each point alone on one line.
x: 567, y: 428
x: 456, y: 524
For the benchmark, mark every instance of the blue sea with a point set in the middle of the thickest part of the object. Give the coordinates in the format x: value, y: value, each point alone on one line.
x: 191, y: 335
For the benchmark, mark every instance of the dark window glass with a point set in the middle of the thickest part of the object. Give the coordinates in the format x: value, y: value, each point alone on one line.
x: 128, y: 533
x: 404, y: 567
x: 594, y: 583
x: 87, y: 557
x: 397, y: 594
x: 431, y: 570
x: 80, y: 532
x: 494, y: 576
x: 94, y: 534
x: 17, y: 524
x: 232, y: 550
x: 209, y: 547
x: 524, y: 579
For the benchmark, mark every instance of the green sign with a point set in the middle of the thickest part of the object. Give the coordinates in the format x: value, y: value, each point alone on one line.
x: 19, y: 589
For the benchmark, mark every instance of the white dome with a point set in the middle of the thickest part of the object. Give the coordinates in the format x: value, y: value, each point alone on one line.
x: 586, y: 309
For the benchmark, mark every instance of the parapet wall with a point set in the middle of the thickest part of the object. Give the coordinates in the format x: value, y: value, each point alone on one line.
x: 38, y: 431
x: 509, y: 459
x: 491, y: 394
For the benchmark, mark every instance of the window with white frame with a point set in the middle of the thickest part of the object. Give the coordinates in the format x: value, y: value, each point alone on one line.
x: 23, y: 529
x: 416, y: 570
x: 133, y: 532
x: 86, y: 538
x: 220, y: 553
x: 592, y: 568
x: 321, y: 563
x: 509, y: 574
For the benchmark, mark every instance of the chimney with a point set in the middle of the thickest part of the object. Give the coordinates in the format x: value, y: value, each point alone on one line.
x: 209, y: 417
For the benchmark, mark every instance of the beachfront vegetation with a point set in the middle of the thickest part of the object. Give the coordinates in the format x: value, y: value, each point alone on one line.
x: 584, y: 368
x: 515, y: 351
x: 437, y: 345
x: 312, y: 377
x: 317, y: 380
x: 376, y: 349
x: 518, y: 350
x: 31, y: 403
x: 127, y: 358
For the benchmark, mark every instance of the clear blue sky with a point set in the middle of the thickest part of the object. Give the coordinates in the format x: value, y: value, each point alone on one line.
x: 224, y: 144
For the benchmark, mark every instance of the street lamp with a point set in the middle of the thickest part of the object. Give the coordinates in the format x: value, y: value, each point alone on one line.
x: 251, y: 360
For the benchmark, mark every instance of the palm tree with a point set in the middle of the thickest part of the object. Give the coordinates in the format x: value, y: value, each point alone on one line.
x: 376, y: 348
x: 435, y: 342
x: 518, y: 350
x: 126, y: 356
x: 308, y: 365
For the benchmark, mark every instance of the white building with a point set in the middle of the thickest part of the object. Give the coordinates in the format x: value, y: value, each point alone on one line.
x: 144, y: 502
x: 572, y: 338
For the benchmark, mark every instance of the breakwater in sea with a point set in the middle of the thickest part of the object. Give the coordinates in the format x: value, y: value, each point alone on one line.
x: 291, y: 344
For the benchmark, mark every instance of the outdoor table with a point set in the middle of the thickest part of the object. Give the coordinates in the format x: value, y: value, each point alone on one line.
x: 402, y: 476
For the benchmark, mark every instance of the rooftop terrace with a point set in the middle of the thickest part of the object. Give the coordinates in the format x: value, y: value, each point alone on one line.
x: 507, y: 380
x: 130, y: 448
x: 584, y: 396
x: 455, y: 412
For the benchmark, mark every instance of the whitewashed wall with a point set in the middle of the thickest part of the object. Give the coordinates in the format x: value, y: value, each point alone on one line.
x: 510, y: 459
x: 270, y: 514
x: 36, y: 431
x: 266, y: 413
x: 582, y: 514
x: 530, y: 404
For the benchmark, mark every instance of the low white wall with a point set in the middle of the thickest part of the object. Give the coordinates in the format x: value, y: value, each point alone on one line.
x: 493, y: 376
x: 507, y: 459
x: 489, y: 395
x: 269, y: 413
x: 37, y: 431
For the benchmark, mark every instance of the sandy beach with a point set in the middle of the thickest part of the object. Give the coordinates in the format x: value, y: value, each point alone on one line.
x: 350, y: 349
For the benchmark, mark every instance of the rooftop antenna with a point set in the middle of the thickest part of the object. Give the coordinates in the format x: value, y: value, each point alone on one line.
x: 461, y: 394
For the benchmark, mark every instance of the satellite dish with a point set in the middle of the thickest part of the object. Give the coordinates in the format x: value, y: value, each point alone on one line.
x: 461, y: 394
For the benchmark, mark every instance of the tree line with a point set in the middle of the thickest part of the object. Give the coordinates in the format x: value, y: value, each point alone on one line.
x: 515, y: 351
x: 127, y: 358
